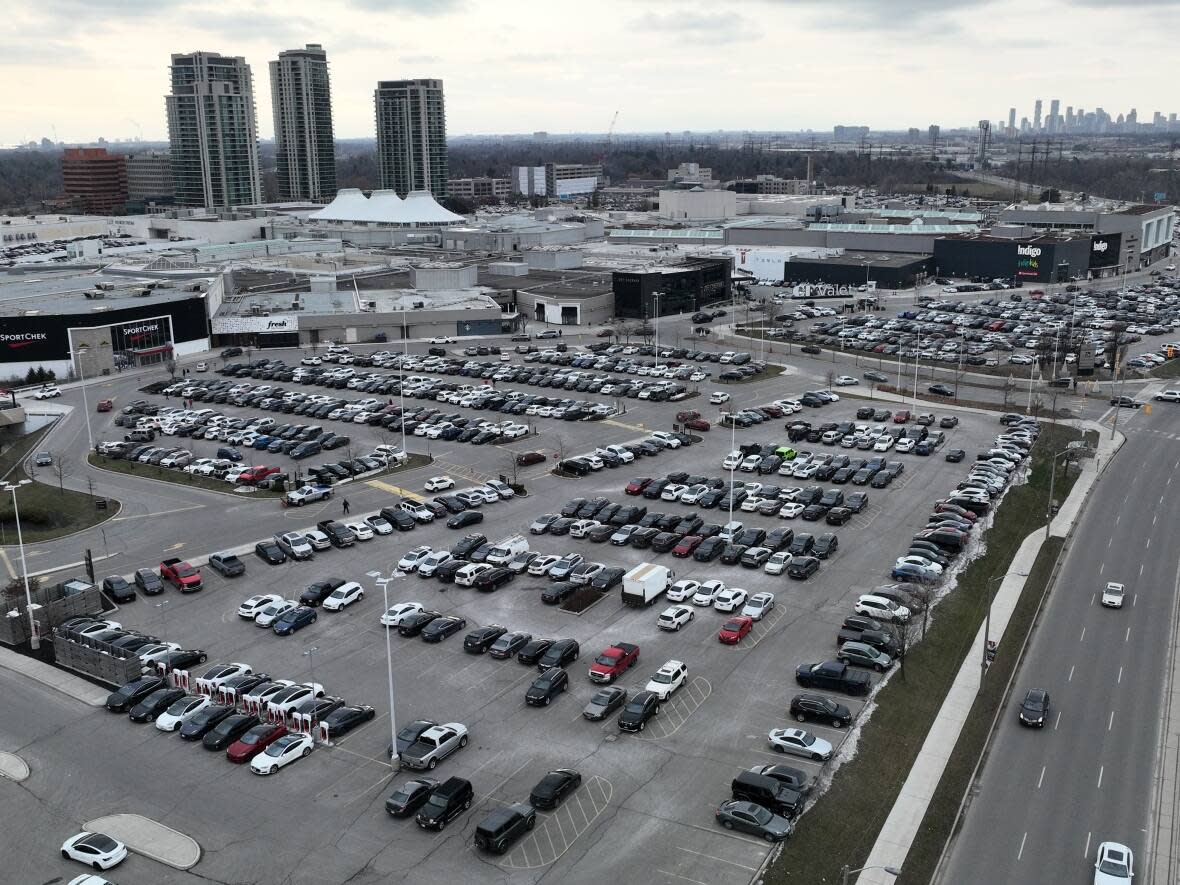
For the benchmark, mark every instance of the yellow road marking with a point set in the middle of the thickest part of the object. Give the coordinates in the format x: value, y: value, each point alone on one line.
x: 397, y: 490
x: 614, y: 423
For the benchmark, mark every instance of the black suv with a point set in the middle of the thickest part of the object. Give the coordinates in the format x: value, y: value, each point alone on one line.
x: 559, y: 654
x: 820, y: 708
x: 446, y: 802
x: 504, y: 826
x: 639, y: 709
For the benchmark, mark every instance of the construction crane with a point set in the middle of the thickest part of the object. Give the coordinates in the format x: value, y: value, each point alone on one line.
x: 606, y: 144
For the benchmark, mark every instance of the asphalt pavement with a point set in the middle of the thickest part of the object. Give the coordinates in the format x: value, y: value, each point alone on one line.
x: 1047, y: 797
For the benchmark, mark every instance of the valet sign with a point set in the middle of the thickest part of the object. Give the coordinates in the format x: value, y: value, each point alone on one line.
x: 1028, y: 263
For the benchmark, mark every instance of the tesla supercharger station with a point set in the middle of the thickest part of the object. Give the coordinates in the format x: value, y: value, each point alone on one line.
x: 205, y: 687
x: 179, y: 679
x: 324, y: 734
x: 228, y: 696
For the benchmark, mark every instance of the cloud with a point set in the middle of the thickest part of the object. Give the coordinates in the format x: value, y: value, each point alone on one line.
x: 44, y: 52
x: 894, y: 15
x: 419, y: 59
x: 697, y: 27
x: 425, y: 8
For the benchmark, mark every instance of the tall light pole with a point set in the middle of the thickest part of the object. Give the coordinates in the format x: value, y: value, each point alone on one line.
x: 845, y: 872
x: 34, y: 640
x: 78, y: 354
x: 384, y: 582
x: 400, y: 394
x: 732, y: 449
x: 1052, y: 479
x: 309, y: 653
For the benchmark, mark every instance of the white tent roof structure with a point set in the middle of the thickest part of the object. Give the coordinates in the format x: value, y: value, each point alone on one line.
x: 386, y: 207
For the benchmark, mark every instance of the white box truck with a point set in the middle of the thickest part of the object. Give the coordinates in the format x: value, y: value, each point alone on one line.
x: 645, y: 583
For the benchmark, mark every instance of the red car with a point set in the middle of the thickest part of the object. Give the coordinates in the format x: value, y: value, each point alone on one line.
x: 687, y: 545
x: 901, y: 417
x: 735, y: 629
x: 697, y: 424
x: 688, y: 415
x: 526, y: 458
x: 636, y: 486
x: 105, y: 405
x: 254, y: 741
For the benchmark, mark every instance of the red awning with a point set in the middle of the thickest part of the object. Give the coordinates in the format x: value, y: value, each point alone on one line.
x: 152, y: 351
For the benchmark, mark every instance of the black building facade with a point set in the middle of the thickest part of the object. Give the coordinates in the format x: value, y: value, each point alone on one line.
x: 682, y: 288
x: 1043, y: 259
x: 887, y: 270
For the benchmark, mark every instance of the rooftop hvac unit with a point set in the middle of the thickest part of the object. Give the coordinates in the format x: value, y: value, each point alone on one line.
x: 419, y: 305
x: 368, y: 305
x: 295, y: 304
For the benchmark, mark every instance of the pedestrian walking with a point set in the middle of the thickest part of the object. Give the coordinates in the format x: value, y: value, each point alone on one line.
x: 345, y: 507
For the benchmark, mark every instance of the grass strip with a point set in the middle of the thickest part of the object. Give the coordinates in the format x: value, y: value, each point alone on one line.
x: 843, y: 825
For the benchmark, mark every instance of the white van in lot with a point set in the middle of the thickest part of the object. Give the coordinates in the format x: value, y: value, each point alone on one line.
x: 506, y: 549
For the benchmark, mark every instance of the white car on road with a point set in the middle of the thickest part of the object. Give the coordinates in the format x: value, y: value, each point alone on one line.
x: 343, y: 596
x: 95, y: 850
x: 48, y: 392
x: 282, y: 752
x: 1112, y: 595
x: 1114, y: 865
x: 718, y: 397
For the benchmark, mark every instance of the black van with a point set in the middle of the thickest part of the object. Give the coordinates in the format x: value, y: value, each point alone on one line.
x: 504, y: 826
x: 448, y: 801
x: 750, y: 786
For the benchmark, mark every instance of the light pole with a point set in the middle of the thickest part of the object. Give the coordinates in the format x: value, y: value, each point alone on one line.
x: 309, y: 653
x: 732, y: 450
x: 34, y: 640
x: 163, y: 607
x: 845, y: 872
x: 384, y: 582
x: 1052, y: 479
x: 78, y: 354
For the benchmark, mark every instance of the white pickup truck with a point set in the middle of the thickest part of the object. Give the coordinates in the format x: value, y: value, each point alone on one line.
x: 308, y: 494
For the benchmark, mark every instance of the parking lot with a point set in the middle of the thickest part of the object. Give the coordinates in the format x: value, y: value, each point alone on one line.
x: 647, y: 800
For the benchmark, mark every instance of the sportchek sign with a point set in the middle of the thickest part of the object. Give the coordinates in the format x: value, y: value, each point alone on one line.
x: 34, y: 339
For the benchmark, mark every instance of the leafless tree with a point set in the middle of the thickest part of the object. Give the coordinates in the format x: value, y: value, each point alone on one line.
x: 831, y: 378
x: 14, y: 590
x: 1008, y: 389
x: 62, y: 467
x: 1036, y: 407
x: 559, y: 443
x: 513, y: 469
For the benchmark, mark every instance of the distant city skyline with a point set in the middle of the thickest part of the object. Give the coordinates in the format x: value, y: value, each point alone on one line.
x: 682, y: 66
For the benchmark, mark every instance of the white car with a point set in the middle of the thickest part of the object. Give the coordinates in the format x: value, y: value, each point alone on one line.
x: 379, y: 524
x: 777, y: 564
x: 751, y: 463
x: 707, y: 593
x: 730, y: 599
x: 48, y: 392
x: 884, y: 443
x: 758, y: 605
x: 672, y: 492
x: 667, y: 679
x: 95, y: 850
x: 428, y: 566
x: 921, y: 562
x: 157, y: 651
x: 272, y: 612
x: 806, y: 470
x: 399, y: 612
x: 693, y: 494
x: 343, y: 596
x: 751, y: 504
x: 682, y: 590
x: 790, y: 510
x: 439, y: 483
x: 442, y: 339
x: 718, y: 397
x: 583, y: 527
x: 845, y: 381
x: 466, y: 576
x: 674, y: 617
x: 295, y: 545
x: 317, y: 539
x: 503, y: 491
x: 289, y: 697
x: 362, y: 530
x: 540, y: 566
x: 1114, y: 864
x: 905, y: 444
x: 798, y: 742
x: 414, y: 558
x: 1112, y: 595
x: 282, y: 752
x: 732, y: 461
x: 220, y: 674
x: 255, y: 604
x: 881, y: 609
x: 311, y: 361
x: 182, y: 711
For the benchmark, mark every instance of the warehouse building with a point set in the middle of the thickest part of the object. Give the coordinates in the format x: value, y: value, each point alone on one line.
x: 683, y: 287
x: 1144, y: 233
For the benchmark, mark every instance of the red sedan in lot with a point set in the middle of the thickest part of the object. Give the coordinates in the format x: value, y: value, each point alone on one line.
x: 697, y: 424
x: 636, y: 486
x: 687, y: 545
x: 254, y: 742
x: 735, y: 629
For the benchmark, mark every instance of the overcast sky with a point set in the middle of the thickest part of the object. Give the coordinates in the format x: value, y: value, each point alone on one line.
x: 100, y: 67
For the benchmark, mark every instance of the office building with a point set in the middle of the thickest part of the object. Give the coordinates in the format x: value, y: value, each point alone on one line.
x: 95, y: 179
x: 411, y: 136
x: 480, y: 189
x: 1011, y: 120
x: 849, y: 133
x: 1054, y: 120
x: 559, y: 180
x: 149, y: 177
x: 213, y: 131
x: 305, y: 149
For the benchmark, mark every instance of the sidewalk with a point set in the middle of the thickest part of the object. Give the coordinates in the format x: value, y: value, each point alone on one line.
x: 68, y: 684
x: 897, y: 835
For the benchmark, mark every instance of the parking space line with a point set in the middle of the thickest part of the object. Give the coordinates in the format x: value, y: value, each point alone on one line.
x: 560, y: 829
x: 682, y: 706
x: 715, y: 857
x: 685, y: 878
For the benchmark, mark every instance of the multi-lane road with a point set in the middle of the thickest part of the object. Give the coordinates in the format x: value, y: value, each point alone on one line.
x: 1047, y: 798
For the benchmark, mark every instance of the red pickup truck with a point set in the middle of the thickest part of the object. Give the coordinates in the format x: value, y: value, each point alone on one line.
x: 183, y: 576
x: 255, y: 475
x: 614, y: 662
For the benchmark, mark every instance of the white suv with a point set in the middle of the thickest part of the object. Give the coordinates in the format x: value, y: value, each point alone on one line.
x: 667, y: 679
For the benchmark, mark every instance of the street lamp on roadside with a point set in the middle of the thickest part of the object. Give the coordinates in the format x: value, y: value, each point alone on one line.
x: 34, y: 640
x: 78, y: 354
x: 845, y: 872
x: 384, y: 582
x: 309, y: 653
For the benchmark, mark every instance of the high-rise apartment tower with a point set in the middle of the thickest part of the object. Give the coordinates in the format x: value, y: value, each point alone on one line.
x: 411, y: 136
x: 305, y: 149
